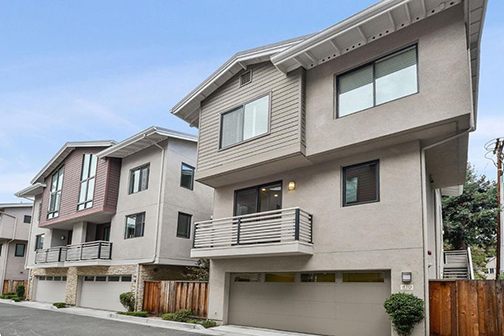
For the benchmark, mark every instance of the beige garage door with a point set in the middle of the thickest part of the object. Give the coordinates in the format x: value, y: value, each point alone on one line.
x: 102, y: 292
x: 329, y: 303
x: 50, y: 289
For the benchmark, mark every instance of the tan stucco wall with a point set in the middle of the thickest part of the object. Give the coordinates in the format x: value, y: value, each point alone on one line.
x: 386, y: 235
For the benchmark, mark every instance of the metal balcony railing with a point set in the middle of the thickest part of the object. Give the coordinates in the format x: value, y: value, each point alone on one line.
x: 85, y: 251
x: 276, y: 226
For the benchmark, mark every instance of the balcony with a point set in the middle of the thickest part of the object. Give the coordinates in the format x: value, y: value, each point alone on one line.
x: 272, y: 233
x: 96, y: 250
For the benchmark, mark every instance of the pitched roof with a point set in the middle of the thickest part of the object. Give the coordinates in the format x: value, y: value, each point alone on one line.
x: 15, y: 205
x: 367, y: 26
x: 142, y: 140
x: 63, y: 153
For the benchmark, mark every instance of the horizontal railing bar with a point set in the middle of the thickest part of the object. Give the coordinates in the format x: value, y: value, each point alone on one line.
x: 250, y: 215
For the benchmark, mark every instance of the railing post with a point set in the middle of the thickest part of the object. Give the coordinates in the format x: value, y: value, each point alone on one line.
x: 99, y: 250
x: 296, y: 232
x: 238, y: 233
x: 311, y: 229
x: 194, y: 235
x: 46, y: 253
x: 110, y: 251
x: 59, y: 254
x: 81, y: 248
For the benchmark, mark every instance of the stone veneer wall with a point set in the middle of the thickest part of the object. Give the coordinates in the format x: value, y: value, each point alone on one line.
x: 146, y: 273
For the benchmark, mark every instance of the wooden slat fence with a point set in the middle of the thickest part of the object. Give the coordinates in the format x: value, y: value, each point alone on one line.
x: 162, y: 297
x: 466, y: 307
x: 10, y: 285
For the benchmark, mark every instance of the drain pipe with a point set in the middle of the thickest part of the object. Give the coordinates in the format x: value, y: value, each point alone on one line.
x: 158, y: 214
x: 7, y: 247
x: 472, y: 127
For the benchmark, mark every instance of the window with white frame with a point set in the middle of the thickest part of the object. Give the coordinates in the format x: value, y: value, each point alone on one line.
x: 245, y: 122
x: 389, y: 78
x: 135, y: 225
x: 39, y: 241
x: 87, y: 184
x: 55, y: 194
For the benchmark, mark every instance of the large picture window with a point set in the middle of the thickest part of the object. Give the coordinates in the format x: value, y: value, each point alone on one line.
x: 139, y: 179
x: 389, y: 78
x: 258, y: 199
x: 245, y: 122
x: 361, y: 183
x: 87, y: 183
x: 55, y: 194
x: 135, y: 225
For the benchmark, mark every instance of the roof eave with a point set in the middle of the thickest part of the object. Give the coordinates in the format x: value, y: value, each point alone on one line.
x: 32, y: 190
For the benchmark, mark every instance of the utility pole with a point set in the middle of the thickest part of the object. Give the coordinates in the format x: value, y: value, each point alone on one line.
x: 499, y: 144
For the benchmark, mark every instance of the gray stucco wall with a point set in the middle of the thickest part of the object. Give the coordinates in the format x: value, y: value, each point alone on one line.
x: 383, y: 235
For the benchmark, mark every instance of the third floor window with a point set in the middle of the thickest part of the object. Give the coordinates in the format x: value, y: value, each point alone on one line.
x: 139, y: 179
x: 389, y: 78
x: 87, y: 184
x: 55, y: 194
x: 245, y: 122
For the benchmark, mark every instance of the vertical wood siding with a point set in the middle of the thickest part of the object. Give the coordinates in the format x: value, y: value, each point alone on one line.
x: 71, y: 187
x: 285, y: 128
x: 113, y: 178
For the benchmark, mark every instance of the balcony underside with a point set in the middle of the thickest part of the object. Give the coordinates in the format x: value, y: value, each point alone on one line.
x: 257, y: 250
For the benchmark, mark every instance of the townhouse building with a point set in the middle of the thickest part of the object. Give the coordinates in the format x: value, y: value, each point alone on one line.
x: 15, y: 221
x: 109, y: 215
x: 329, y: 155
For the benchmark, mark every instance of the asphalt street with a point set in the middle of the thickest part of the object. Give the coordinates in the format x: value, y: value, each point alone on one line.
x: 22, y: 321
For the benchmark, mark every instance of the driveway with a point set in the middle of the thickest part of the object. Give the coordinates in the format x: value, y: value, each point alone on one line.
x: 21, y: 321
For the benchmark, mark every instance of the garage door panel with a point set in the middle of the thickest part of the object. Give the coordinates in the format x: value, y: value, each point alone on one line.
x: 103, y: 294
x: 50, y: 291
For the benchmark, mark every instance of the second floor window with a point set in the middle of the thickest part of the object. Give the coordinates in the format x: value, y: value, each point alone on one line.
x: 39, y: 242
x: 245, y: 122
x: 55, y: 194
x: 87, y: 183
x: 184, y: 225
x: 361, y: 183
x: 139, y: 179
x: 260, y: 198
x: 384, y: 80
x: 27, y: 219
x: 135, y: 225
x: 187, y: 176
x: 20, y: 250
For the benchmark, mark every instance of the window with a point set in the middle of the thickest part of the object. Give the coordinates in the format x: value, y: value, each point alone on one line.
x: 245, y: 122
x: 184, y: 225
x: 247, y: 277
x: 39, y: 242
x: 280, y: 277
x: 318, y: 277
x: 363, y: 277
x: 384, y: 80
x: 27, y: 219
x: 49, y: 278
x: 57, y: 278
x: 55, y: 194
x: 42, y: 278
x: 87, y: 183
x: 361, y: 183
x: 187, y: 176
x: 88, y: 278
x: 126, y: 278
x: 113, y: 278
x: 258, y: 199
x: 20, y: 250
x: 1, y: 246
x: 491, y: 270
x: 139, y: 179
x: 101, y: 278
x: 135, y: 225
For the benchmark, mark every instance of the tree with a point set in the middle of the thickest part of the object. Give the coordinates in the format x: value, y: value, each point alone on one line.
x: 200, y: 272
x: 471, y: 218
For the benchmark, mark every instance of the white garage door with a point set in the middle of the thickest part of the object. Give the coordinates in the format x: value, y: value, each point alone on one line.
x: 330, y: 303
x: 50, y: 289
x: 102, y: 292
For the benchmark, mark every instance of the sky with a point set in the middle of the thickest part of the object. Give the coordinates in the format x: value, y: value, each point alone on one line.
x: 100, y: 70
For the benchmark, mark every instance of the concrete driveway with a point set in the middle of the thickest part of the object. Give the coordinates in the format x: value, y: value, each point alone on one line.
x: 22, y: 321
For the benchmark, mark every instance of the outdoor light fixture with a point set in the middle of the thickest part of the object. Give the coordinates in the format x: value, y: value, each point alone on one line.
x: 406, y: 277
x: 63, y: 237
x: 292, y: 185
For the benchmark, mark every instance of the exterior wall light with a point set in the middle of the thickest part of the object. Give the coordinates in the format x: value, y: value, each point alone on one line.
x: 406, y: 277
x: 292, y: 185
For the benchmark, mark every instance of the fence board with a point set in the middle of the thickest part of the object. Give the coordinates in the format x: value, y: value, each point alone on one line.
x: 162, y: 297
x: 466, y: 307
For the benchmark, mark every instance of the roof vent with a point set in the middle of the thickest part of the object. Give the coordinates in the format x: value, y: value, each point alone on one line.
x: 246, y: 78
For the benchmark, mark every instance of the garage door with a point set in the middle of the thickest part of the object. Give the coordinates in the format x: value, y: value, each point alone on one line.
x: 102, y: 292
x: 329, y: 303
x: 50, y: 289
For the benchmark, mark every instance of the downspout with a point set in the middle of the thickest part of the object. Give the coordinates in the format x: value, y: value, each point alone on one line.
x: 158, y: 214
x: 30, y: 231
x: 471, y: 128
x: 6, y: 256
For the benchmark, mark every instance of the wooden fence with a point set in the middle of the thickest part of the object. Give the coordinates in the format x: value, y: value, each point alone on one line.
x: 162, y: 297
x: 466, y: 307
x: 10, y: 285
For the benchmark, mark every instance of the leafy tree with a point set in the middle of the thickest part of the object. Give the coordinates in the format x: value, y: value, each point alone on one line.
x: 471, y: 218
x: 200, y: 272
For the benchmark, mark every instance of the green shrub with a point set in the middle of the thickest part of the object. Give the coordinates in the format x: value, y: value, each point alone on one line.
x: 168, y: 317
x: 8, y: 296
x: 193, y: 321
x: 9, y: 293
x: 128, y: 300
x: 181, y: 315
x: 135, y: 313
x: 406, y: 311
x: 20, y: 290
x: 16, y: 299
x: 208, y: 323
x: 59, y: 304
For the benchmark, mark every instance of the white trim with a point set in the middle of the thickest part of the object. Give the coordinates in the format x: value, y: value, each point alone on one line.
x: 15, y: 205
